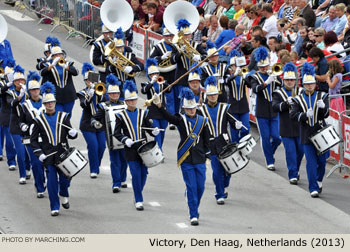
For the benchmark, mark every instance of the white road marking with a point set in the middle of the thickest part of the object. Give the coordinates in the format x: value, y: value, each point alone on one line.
x: 154, y: 203
x: 84, y: 152
x: 15, y: 15
x: 181, y: 225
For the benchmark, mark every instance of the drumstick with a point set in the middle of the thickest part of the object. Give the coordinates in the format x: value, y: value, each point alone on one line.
x: 152, y: 128
x: 68, y: 127
x: 52, y: 153
x: 237, y: 120
x: 140, y: 140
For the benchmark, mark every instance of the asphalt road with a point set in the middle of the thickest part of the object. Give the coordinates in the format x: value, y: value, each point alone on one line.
x: 259, y: 201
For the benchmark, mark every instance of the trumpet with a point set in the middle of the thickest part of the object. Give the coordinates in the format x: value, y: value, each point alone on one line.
x: 276, y: 69
x: 180, y: 41
x: 61, y: 62
x: 100, y: 88
x: 243, y: 71
x: 1, y: 70
x: 160, y: 79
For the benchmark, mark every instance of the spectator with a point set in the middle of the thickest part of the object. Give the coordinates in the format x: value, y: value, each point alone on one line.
x: 139, y: 15
x: 230, y: 11
x: 346, y: 33
x: 272, y: 44
x: 335, y: 70
x: 285, y: 59
x: 307, y: 46
x: 160, y: 8
x: 255, y: 17
x: 297, y: 25
x: 246, y: 46
x: 333, y: 46
x: 328, y: 23
x: 276, y: 4
x: 322, y: 6
x: 155, y: 17
x: 321, y: 68
x: 270, y: 25
x: 245, y: 18
x: 342, y: 21
x: 307, y: 13
x: 257, y: 41
x: 201, y: 31
x: 201, y: 11
x: 219, y: 9
x: 319, y: 36
x: 214, y: 29
x: 227, y: 34
x: 237, y: 5
x: 311, y: 34
x: 259, y: 10
x: 236, y: 41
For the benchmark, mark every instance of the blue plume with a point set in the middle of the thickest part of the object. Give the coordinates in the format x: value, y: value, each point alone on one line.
x: 48, y: 40
x: 186, y: 93
x: 112, y: 80
x: 182, y: 23
x: 307, y: 69
x: 151, y: 62
x: 55, y: 42
x: 129, y: 85
x: 210, y: 45
x: 119, y: 34
x: 18, y: 69
x: 211, y: 80
x: 10, y: 62
x: 261, y: 54
x: 47, y: 87
x: 86, y: 68
x: 33, y: 76
x: 289, y: 67
x: 198, y: 70
x: 234, y: 53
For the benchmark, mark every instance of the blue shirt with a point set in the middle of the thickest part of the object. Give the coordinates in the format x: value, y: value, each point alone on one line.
x: 224, y: 36
x: 340, y: 25
x: 328, y: 24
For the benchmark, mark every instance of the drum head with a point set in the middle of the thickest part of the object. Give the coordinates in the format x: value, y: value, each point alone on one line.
x: 242, y: 145
x: 65, y: 154
x: 227, y: 150
x: 245, y: 138
x: 147, y: 146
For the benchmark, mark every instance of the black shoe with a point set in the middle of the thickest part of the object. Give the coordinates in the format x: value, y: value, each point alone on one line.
x: 40, y: 195
x: 1, y: 158
x: 116, y: 189
x: 314, y: 194
x: 226, y: 195
x: 139, y: 206
x: 220, y: 201
x: 293, y: 181
x: 194, y: 222
x: 172, y: 127
x: 320, y: 190
x: 124, y: 185
x: 54, y: 213
x: 66, y: 205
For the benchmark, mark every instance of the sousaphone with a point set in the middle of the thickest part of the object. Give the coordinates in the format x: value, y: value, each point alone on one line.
x: 3, y: 28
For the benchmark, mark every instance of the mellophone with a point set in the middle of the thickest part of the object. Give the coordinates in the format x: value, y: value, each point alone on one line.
x: 324, y: 139
x: 234, y: 157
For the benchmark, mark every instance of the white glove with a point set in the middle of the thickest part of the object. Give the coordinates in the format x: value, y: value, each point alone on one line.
x: 42, y: 157
x: 91, y: 92
x: 165, y: 55
x: 9, y: 84
x: 24, y: 127
x: 156, y: 131
x: 238, y: 125
x: 156, y: 99
x: 270, y: 79
x: 129, y: 142
x: 54, y: 62
x: 22, y: 92
x: 97, y: 125
x: 10, y: 78
x: 290, y: 100
x: 72, y: 132
x: 310, y: 113
x: 49, y: 58
x: 237, y: 71
x: 154, y: 79
x: 66, y: 65
x: 320, y: 104
x: 196, y: 58
x: 128, y: 69
x: 222, y: 80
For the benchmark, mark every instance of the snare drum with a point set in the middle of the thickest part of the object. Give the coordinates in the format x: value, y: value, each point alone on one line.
x: 71, y: 162
x: 245, y: 148
x: 151, y: 154
x: 324, y: 139
x: 231, y: 159
x: 250, y: 139
x: 112, y: 142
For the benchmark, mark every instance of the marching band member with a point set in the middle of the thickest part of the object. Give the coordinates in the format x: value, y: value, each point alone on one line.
x: 6, y: 87
x: 117, y: 157
x: 43, y: 62
x: 218, y: 118
x: 49, y: 126
x: 217, y: 69
x: 183, y: 62
x: 192, y: 149
x: 31, y: 108
x: 60, y: 74
x: 2, y: 136
x: 289, y: 129
x: 128, y: 130
x: 98, y: 56
x: 162, y: 52
x: 194, y: 83
x: 94, y: 138
x: 126, y: 51
x: 16, y: 97
x: 263, y: 86
x: 237, y: 97
x: 310, y: 108
x: 5, y: 50
x: 154, y: 86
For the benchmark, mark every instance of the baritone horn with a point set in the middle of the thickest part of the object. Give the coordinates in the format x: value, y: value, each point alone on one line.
x: 100, y: 88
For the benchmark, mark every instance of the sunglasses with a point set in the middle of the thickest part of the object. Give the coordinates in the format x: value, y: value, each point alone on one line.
x: 316, y: 35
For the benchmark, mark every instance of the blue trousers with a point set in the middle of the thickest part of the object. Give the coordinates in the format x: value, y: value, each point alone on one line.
x: 118, y: 166
x: 294, y: 155
x: 177, y: 101
x: 269, y: 128
x: 9, y: 146
x: 22, y: 155
x: 194, y: 177
x: 96, y: 145
x: 38, y: 170
x: 220, y: 179
x: 315, y: 166
x: 170, y: 101
x: 65, y: 107
x: 236, y: 135
x: 161, y: 124
x: 56, y: 184
x: 138, y: 178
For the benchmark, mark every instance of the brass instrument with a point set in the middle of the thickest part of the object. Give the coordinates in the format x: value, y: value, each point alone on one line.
x: 112, y: 52
x: 1, y: 70
x: 100, y: 88
x: 277, y: 69
x: 244, y: 71
x: 180, y: 41
x: 160, y: 79
x: 165, y: 62
x: 61, y: 62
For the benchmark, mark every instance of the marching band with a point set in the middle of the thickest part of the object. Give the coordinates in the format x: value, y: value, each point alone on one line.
x: 208, y: 106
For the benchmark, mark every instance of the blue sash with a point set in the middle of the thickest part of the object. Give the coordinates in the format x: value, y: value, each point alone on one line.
x: 184, y: 150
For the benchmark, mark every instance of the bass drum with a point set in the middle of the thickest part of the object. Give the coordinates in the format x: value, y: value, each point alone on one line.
x: 110, y: 112
x: 232, y: 159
